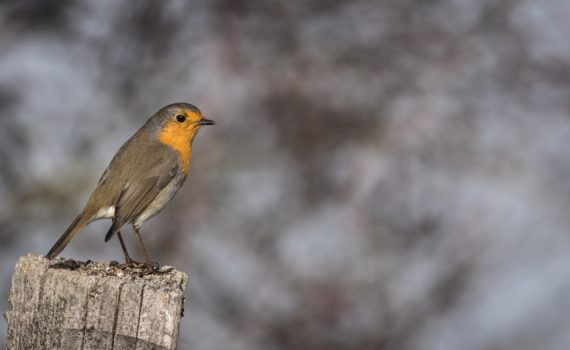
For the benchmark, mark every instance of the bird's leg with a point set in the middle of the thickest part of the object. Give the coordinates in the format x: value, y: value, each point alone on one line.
x: 128, y: 261
x: 150, y: 269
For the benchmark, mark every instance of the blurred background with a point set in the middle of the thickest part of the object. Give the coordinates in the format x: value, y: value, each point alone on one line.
x: 384, y: 174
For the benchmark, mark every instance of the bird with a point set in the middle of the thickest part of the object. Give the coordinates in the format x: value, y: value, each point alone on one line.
x: 142, y: 177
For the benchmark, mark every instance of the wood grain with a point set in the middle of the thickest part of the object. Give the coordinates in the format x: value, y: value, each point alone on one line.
x: 63, y: 304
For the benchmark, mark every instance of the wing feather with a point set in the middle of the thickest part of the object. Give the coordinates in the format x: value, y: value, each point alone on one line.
x: 142, y: 188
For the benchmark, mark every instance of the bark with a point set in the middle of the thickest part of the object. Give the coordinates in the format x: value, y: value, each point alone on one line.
x: 63, y: 304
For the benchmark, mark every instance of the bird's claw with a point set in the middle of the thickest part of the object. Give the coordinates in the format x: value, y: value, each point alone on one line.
x: 154, y: 269
x: 132, y: 265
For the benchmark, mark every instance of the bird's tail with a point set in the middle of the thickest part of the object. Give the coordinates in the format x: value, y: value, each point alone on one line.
x: 80, y: 222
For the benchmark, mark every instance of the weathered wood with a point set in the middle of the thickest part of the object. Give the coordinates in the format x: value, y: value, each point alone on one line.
x: 63, y: 304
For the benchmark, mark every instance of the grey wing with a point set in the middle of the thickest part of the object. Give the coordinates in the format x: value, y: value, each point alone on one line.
x: 138, y: 194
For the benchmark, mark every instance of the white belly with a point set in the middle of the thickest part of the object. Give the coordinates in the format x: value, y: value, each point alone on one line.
x: 159, y: 201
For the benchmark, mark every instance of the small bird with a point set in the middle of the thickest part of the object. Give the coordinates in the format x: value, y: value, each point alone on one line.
x: 142, y: 177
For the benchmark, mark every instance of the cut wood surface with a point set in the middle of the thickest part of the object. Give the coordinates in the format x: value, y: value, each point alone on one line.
x: 64, y: 304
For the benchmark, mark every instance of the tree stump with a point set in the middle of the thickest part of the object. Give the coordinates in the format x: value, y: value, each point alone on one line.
x: 64, y: 304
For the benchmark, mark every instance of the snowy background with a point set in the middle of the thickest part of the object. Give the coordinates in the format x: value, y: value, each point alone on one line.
x: 384, y: 174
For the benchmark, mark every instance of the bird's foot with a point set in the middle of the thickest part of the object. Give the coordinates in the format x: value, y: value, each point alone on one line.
x: 154, y: 269
x: 131, y: 264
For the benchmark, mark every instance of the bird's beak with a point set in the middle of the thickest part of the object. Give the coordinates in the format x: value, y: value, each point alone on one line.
x: 205, y: 121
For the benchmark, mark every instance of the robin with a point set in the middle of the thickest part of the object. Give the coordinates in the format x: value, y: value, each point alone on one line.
x: 142, y: 177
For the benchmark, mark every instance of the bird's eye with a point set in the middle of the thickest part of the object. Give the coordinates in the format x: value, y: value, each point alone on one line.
x: 180, y: 118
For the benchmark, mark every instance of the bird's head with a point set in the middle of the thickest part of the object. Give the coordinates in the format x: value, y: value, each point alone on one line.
x: 179, y: 122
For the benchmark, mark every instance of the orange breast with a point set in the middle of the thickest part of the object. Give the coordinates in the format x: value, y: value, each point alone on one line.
x: 179, y: 139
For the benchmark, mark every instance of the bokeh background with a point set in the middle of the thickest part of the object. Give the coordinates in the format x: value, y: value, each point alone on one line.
x: 384, y: 174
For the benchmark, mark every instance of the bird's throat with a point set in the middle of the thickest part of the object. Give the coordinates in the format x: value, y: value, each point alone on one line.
x: 179, y: 141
